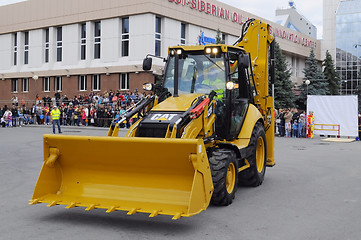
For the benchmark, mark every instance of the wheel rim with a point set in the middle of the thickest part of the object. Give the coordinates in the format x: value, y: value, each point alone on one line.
x: 260, y: 154
x: 231, y: 178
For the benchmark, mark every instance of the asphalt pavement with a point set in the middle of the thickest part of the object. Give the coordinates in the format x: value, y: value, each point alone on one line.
x: 313, y: 192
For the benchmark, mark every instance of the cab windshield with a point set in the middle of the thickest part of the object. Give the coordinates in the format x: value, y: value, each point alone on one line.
x: 196, y: 74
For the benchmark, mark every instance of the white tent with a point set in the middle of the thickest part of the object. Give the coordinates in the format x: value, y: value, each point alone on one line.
x: 335, y: 110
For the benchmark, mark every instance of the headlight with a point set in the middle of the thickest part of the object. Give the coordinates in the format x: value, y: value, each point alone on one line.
x: 208, y: 50
x: 148, y: 86
x: 230, y: 85
x: 179, y: 51
x: 215, y: 50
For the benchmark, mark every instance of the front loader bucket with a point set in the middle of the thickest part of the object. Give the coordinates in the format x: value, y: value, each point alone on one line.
x: 149, y: 175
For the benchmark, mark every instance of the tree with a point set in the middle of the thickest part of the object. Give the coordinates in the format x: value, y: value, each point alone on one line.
x: 331, y: 75
x: 219, y: 37
x: 318, y: 84
x: 284, y: 96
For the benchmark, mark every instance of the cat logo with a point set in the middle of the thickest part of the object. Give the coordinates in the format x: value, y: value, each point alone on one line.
x: 162, y: 117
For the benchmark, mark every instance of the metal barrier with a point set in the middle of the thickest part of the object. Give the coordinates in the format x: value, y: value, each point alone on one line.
x: 329, y: 129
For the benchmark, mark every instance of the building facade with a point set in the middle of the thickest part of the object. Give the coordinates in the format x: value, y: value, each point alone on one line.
x: 292, y: 19
x: 75, y: 47
x: 342, y: 38
x: 348, y: 45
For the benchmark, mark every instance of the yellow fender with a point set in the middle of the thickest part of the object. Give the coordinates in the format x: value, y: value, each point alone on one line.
x: 252, y: 117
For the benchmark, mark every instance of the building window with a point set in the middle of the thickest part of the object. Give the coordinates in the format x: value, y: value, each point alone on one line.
x: 25, y: 84
x: 125, y: 37
x: 97, y: 38
x: 82, y: 83
x: 14, y: 85
x: 124, y: 81
x: 83, y: 41
x: 158, y: 36
x: 59, y: 44
x: 26, y: 47
x: 46, y: 52
x: 15, y: 49
x: 58, y: 84
x: 223, y: 38
x: 183, y: 33
x: 46, y: 84
x: 96, y: 82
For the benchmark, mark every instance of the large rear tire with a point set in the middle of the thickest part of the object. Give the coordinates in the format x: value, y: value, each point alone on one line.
x: 224, y: 169
x: 254, y: 175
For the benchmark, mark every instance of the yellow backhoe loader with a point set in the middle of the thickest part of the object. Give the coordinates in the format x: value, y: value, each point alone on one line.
x: 209, y: 128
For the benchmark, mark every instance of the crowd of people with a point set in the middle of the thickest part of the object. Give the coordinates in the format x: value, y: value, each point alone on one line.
x: 94, y: 109
x: 98, y: 109
x: 290, y: 122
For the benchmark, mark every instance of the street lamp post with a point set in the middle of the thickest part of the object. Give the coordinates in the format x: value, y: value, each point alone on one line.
x: 35, y: 77
x: 307, y: 82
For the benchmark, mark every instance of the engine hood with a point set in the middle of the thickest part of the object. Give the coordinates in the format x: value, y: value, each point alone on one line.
x: 177, y: 104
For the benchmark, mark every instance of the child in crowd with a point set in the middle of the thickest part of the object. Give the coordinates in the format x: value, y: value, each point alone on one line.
x: 295, y: 127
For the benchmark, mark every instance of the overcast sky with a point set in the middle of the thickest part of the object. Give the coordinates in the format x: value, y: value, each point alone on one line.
x: 5, y: 2
x: 311, y: 9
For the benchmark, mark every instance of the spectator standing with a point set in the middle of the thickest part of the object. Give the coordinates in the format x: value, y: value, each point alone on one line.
x: 283, y: 124
x: 301, y: 125
x: 15, y: 116
x: 47, y: 115
x: 65, y: 115
x: 55, y: 116
x: 295, y: 128
x: 311, y: 124
x: 288, y: 126
x: 278, y: 121
x: 84, y: 121
x: 100, y: 116
x: 8, y: 118
x: 65, y: 100
x: 21, y: 117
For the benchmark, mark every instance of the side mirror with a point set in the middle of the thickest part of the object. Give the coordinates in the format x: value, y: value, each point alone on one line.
x: 243, y: 61
x: 147, y: 64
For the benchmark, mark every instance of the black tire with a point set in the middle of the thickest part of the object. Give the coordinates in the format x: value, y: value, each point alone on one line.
x: 254, y: 175
x: 222, y: 163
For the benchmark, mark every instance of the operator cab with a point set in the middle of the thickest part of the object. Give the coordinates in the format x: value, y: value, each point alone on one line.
x: 219, y: 68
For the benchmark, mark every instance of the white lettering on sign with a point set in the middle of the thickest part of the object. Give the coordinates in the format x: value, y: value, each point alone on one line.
x: 206, y: 7
x: 295, y: 38
x: 220, y: 12
x: 161, y: 116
